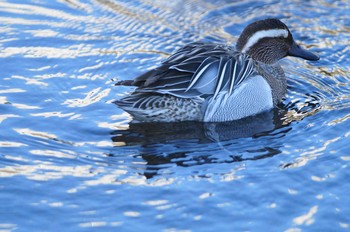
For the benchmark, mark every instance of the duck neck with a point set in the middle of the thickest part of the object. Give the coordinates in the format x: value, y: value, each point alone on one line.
x: 275, y: 77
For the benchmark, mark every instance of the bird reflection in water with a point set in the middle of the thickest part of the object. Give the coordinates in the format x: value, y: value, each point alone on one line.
x: 195, y: 143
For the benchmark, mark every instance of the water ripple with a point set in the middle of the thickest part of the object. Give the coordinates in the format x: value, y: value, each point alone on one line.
x: 70, y: 151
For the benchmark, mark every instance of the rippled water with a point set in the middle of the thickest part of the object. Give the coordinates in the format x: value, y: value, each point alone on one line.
x: 71, y: 161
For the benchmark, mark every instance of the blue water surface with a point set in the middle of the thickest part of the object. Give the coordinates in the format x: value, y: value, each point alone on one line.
x: 71, y: 160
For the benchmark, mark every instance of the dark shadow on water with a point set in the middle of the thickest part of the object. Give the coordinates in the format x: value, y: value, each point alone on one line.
x: 187, y: 144
x: 156, y: 133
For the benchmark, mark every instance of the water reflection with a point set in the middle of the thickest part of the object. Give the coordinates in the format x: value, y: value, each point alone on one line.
x: 185, y: 144
x: 153, y: 133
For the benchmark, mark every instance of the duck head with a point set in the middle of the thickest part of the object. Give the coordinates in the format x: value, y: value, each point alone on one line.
x: 270, y: 40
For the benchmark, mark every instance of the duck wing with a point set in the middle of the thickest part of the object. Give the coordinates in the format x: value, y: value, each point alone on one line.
x: 197, y: 70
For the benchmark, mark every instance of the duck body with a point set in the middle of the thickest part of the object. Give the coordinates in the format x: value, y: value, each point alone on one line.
x: 205, y: 82
x: 214, y: 82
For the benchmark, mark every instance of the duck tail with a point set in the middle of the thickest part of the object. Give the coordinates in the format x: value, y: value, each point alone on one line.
x: 125, y: 83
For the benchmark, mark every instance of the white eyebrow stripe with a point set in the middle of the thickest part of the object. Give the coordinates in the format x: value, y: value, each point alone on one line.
x: 262, y: 34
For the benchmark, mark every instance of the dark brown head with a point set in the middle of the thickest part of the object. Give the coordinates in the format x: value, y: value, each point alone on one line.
x: 270, y: 40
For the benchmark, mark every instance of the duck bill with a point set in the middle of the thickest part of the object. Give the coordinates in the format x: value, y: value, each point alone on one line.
x: 298, y: 51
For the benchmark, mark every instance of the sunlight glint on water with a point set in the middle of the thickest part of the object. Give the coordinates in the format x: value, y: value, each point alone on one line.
x: 68, y: 153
